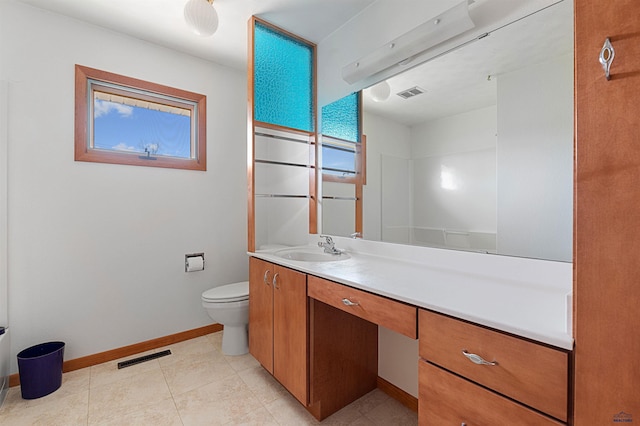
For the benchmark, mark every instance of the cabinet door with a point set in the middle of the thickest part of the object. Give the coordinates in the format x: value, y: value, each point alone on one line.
x: 261, y: 312
x: 290, y: 342
x: 447, y: 399
x: 606, y: 258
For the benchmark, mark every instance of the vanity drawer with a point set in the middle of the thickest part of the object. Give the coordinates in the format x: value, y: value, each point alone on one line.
x: 533, y: 374
x: 446, y: 399
x: 388, y: 313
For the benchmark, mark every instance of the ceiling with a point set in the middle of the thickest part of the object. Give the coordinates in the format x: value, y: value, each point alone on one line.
x: 454, y: 83
x: 465, y: 79
x: 162, y: 22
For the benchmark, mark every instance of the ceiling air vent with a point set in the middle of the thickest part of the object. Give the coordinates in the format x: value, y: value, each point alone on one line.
x: 410, y: 93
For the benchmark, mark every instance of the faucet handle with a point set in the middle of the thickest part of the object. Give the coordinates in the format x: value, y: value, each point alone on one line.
x: 355, y: 235
x: 327, y: 238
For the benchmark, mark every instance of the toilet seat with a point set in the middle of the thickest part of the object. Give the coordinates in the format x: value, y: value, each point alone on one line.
x: 235, y: 292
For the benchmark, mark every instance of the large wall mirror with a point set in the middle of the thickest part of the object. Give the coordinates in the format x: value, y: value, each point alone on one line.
x: 482, y: 159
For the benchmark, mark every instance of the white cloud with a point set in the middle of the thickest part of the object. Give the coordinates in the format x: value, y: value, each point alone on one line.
x: 101, y: 108
x: 124, y: 147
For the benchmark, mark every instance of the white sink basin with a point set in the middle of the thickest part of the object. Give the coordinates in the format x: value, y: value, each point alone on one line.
x: 310, y: 254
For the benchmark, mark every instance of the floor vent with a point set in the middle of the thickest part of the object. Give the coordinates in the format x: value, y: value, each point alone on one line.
x: 410, y: 93
x: 144, y: 358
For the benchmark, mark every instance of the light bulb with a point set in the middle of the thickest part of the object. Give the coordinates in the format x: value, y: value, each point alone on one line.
x: 380, y: 92
x: 201, y: 17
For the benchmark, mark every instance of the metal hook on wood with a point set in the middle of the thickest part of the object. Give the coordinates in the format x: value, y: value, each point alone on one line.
x: 606, y: 57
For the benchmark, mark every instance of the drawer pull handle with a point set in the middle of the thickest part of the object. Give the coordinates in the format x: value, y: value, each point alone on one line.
x: 266, y: 277
x: 477, y: 359
x: 275, y: 281
x: 348, y: 302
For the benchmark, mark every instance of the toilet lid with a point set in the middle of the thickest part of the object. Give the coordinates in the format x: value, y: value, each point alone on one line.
x: 228, y: 293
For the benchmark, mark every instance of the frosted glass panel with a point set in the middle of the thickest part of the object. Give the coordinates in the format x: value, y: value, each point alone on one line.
x: 281, y: 180
x: 338, y: 189
x: 273, y: 228
x: 338, y: 217
x: 283, y: 80
x: 341, y: 118
x: 338, y: 214
x: 281, y: 150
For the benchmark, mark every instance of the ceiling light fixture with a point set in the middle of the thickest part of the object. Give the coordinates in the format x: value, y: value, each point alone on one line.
x: 403, y: 49
x: 380, y: 92
x: 201, y: 17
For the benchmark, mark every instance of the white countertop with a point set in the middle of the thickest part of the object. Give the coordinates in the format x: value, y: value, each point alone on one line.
x: 526, y: 297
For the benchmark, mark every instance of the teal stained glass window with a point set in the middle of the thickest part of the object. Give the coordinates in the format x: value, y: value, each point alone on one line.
x: 283, y: 79
x: 341, y: 119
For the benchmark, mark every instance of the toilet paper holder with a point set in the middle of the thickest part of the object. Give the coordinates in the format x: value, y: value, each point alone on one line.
x: 194, y: 262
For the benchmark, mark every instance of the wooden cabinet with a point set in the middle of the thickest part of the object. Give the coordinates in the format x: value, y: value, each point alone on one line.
x: 261, y: 312
x: 278, y: 331
x: 532, y: 374
x: 388, y: 313
x: 447, y: 399
x: 606, y: 231
x: 344, y: 347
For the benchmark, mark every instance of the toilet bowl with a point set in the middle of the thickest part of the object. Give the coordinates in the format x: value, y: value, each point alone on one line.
x: 229, y: 305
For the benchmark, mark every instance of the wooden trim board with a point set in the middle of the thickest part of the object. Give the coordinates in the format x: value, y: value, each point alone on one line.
x: 390, y: 389
x: 398, y: 394
x: 113, y: 354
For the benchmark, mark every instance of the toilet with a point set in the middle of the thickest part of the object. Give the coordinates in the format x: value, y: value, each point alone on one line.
x: 229, y: 305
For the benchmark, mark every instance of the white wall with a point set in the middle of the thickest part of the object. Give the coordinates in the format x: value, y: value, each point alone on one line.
x: 398, y: 360
x: 4, y: 301
x: 535, y: 153
x: 469, y: 131
x: 96, y: 251
x: 396, y: 213
x: 454, y: 180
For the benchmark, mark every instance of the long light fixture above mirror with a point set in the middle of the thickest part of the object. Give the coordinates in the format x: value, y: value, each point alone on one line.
x: 401, y: 50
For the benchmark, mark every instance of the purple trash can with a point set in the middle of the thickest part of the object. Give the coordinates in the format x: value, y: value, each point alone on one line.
x: 40, y: 369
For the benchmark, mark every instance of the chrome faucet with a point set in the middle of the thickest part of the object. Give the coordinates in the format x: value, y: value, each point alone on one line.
x: 328, y: 245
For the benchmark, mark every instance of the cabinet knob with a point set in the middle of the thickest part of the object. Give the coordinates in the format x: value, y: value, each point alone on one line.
x: 275, y: 281
x: 348, y: 302
x: 477, y: 359
x: 266, y: 277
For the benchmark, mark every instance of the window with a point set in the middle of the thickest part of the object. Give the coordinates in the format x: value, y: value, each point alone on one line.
x: 283, y: 78
x: 339, y: 158
x: 122, y: 120
x: 342, y: 144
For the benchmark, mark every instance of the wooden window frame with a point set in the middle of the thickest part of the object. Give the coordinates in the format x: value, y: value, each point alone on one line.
x: 193, y: 101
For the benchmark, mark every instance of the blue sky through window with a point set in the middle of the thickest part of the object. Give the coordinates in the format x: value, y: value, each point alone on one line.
x: 338, y: 159
x: 120, y: 127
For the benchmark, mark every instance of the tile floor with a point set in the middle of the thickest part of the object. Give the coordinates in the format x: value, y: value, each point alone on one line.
x: 195, y: 385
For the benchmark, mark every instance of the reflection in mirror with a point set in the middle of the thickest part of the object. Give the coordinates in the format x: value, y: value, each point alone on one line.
x: 482, y: 159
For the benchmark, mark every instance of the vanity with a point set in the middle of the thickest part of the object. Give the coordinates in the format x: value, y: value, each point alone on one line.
x: 455, y: 211
x: 494, y: 344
